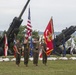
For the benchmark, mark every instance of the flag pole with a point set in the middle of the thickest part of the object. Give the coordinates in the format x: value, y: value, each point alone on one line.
x: 53, y: 35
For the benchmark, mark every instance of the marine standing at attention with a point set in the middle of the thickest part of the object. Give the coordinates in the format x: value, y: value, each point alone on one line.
x: 18, y: 52
x: 26, y: 52
x: 44, y: 55
x: 35, y: 51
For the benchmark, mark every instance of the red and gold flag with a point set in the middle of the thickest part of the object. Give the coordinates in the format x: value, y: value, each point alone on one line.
x: 48, y: 35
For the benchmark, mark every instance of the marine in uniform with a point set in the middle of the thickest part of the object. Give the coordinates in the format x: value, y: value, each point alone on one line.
x: 18, y: 52
x: 26, y: 52
x: 35, y: 51
x: 44, y: 55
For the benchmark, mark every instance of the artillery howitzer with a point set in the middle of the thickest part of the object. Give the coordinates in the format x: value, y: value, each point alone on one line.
x: 13, y: 29
x: 65, y: 34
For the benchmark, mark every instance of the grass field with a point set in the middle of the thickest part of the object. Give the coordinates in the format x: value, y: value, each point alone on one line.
x: 58, y: 67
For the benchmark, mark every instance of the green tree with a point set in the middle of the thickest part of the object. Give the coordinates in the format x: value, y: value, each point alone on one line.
x: 35, y: 34
x: 22, y: 32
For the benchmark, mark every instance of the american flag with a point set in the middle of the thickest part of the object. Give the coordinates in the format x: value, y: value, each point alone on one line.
x: 29, y: 32
x: 29, y: 27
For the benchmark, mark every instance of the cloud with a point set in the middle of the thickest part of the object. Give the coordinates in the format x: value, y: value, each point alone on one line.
x: 63, y: 12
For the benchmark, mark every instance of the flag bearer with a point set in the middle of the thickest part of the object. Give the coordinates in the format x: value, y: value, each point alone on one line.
x: 18, y: 52
x: 44, y: 55
x: 26, y: 52
x: 35, y: 51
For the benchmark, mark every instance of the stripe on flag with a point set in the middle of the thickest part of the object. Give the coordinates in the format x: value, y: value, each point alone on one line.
x: 29, y: 27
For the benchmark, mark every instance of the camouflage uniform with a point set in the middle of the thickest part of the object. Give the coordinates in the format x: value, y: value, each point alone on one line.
x: 43, y: 45
x: 35, y: 52
x: 26, y: 53
x: 18, y: 53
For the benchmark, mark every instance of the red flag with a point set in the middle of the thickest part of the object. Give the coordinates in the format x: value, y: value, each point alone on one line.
x: 5, y: 46
x: 48, y: 35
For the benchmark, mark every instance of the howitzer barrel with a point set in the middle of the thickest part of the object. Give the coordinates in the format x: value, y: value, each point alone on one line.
x: 14, y: 26
x: 63, y: 37
x: 23, y: 9
x: 13, y: 29
x: 67, y: 33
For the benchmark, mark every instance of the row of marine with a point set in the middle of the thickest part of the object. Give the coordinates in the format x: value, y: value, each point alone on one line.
x: 36, y: 48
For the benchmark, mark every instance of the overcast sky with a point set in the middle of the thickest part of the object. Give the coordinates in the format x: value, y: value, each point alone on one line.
x: 62, y: 11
